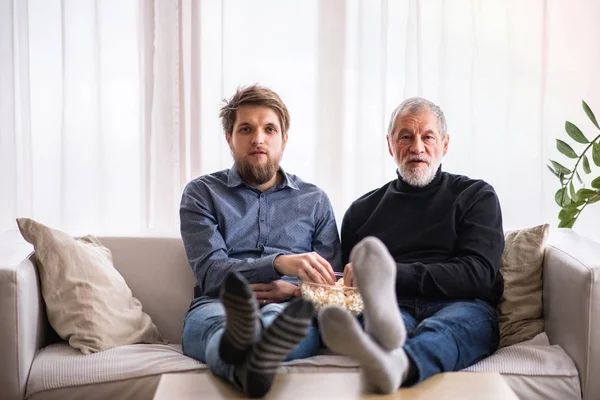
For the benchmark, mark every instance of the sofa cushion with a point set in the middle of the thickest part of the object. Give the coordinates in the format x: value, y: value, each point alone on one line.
x: 130, y: 389
x: 533, y: 357
x: 520, y: 310
x: 59, y: 366
x: 87, y: 301
x: 534, y: 370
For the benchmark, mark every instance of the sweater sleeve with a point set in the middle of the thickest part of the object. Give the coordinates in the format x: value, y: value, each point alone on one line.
x: 347, y: 237
x: 473, y: 269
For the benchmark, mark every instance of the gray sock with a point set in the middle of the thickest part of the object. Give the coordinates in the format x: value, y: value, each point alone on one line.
x: 375, y: 274
x: 385, y: 370
x: 242, y: 326
x: 278, y: 340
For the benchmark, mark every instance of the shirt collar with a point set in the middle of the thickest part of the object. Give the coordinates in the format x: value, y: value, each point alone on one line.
x: 234, y: 179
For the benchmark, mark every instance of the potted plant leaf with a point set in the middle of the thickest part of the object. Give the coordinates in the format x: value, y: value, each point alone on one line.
x: 573, y: 196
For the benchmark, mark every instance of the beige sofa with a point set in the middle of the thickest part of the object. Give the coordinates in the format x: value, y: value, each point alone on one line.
x: 562, y: 363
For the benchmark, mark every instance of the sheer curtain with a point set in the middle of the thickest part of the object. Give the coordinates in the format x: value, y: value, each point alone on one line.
x: 70, y: 123
x: 109, y: 107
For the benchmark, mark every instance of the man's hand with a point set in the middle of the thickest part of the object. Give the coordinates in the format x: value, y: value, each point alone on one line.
x: 348, y: 275
x: 308, y: 266
x: 274, y: 292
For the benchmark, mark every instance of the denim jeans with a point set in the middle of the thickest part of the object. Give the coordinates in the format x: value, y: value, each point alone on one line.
x: 447, y: 335
x: 203, y: 327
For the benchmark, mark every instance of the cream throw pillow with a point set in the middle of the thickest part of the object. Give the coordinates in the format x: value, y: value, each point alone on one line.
x: 87, y: 301
x: 520, y: 310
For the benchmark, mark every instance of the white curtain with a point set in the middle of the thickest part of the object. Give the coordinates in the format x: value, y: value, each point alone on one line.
x: 109, y: 107
x: 70, y: 125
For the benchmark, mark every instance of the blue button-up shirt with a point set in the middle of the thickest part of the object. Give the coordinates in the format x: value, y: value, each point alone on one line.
x: 227, y: 225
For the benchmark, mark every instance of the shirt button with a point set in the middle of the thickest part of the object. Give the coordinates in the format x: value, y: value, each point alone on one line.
x: 261, y: 246
x: 262, y: 220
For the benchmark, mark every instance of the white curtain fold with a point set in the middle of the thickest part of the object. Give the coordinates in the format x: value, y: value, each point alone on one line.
x: 109, y: 107
x: 15, y: 124
x: 8, y: 176
x: 167, y: 159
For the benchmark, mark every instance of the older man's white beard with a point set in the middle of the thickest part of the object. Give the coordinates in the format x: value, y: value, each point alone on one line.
x: 417, y: 176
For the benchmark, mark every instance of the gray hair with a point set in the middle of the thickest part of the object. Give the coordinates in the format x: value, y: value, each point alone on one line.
x: 416, y: 105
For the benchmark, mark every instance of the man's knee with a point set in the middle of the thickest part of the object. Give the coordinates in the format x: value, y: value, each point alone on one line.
x: 465, y: 319
x: 468, y: 312
x: 210, y: 312
x: 199, y: 325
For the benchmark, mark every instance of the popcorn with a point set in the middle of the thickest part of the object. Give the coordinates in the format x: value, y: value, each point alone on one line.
x: 323, y: 295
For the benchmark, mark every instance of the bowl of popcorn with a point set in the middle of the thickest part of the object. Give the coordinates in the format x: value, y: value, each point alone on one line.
x: 322, y: 295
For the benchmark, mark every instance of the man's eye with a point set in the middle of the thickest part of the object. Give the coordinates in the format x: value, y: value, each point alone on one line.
x: 270, y: 129
x: 244, y: 129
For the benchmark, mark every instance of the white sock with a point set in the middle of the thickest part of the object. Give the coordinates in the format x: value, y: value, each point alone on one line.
x: 385, y: 370
x: 375, y: 275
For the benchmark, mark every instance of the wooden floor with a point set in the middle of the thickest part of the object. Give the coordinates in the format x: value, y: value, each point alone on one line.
x: 344, y: 385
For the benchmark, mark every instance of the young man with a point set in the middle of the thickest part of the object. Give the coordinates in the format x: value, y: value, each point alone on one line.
x: 249, y: 232
x: 430, y: 304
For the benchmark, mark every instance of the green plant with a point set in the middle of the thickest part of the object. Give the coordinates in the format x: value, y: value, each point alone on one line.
x: 572, y: 201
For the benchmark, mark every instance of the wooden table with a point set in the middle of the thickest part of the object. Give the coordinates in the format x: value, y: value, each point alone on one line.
x: 343, y: 385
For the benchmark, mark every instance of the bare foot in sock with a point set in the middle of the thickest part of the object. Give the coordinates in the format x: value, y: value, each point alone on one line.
x: 375, y: 275
x: 383, y: 369
x: 278, y: 340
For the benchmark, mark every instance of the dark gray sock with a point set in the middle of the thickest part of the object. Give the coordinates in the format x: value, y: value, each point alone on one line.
x: 242, y: 325
x: 286, y: 332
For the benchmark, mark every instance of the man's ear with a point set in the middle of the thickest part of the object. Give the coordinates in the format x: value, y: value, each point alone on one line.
x: 228, y: 138
x: 446, y: 140
x: 387, y: 137
x: 284, y: 140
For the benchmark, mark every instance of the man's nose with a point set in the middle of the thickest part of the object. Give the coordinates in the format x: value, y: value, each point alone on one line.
x: 259, y: 136
x: 417, y: 146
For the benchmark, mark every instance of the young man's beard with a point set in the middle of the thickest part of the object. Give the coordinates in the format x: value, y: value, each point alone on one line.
x: 256, y: 174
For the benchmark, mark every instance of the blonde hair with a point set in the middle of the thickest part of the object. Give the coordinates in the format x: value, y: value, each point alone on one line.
x: 254, y: 95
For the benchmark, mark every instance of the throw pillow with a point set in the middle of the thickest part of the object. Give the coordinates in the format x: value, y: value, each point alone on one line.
x: 520, y: 310
x: 87, y: 301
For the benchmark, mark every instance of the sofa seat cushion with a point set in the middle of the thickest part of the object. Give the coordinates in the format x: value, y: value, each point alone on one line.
x: 534, y: 370
x: 532, y: 357
x: 60, y: 366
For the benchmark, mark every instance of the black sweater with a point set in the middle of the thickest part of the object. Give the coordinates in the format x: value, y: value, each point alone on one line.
x: 446, y: 238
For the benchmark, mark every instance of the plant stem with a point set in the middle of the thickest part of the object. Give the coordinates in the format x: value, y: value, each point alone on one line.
x: 564, y: 187
x: 588, y: 201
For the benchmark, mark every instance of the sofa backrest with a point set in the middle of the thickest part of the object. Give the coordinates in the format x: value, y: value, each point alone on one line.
x: 159, y: 275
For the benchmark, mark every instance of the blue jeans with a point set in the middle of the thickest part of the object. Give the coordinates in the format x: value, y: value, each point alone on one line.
x: 203, y: 327
x: 447, y: 335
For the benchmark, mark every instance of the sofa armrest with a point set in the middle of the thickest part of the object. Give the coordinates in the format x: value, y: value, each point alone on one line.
x: 24, y: 324
x: 572, y: 302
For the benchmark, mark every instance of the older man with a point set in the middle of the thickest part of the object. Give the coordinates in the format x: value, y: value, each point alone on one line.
x: 249, y: 232
x: 424, y: 251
